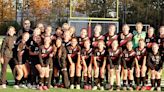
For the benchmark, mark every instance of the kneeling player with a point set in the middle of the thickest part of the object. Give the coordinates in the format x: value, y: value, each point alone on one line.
x: 99, y: 65
x: 155, y: 63
x: 128, y: 64
x: 114, y: 60
x: 87, y: 64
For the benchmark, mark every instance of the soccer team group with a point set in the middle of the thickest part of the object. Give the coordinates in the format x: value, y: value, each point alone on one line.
x: 41, y: 60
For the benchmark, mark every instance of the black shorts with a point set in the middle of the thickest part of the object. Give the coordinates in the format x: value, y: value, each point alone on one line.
x: 56, y: 63
x: 115, y: 64
x: 140, y: 62
x: 129, y: 65
x: 88, y: 61
x: 100, y: 63
x: 34, y: 60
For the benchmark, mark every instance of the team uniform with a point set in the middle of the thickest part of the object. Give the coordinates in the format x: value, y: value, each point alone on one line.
x: 110, y: 39
x: 100, y: 58
x: 149, y: 41
x: 95, y: 40
x: 81, y: 41
x: 160, y: 41
x: 114, y: 58
x: 124, y: 40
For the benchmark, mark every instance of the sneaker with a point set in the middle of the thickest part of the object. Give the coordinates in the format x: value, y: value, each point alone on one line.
x: 77, y: 86
x: 89, y: 87
x: 94, y: 88
x: 72, y: 86
x: 118, y: 89
x: 86, y: 87
x: 29, y: 85
x: 45, y: 88
x: 16, y: 87
x: 159, y: 89
x: 3, y: 86
x: 143, y: 88
x: 124, y: 88
x: 111, y: 88
x: 33, y: 87
x: 40, y: 88
x: 131, y: 88
x: 138, y: 88
x: 152, y: 88
x: 102, y: 88
x: 23, y: 86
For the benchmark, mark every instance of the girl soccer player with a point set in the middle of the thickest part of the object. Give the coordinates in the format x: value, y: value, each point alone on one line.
x: 59, y: 62
x: 7, y: 53
x: 114, y: 60
x: 74, y: 62
x: 83, y: 37
x: 141, y: 65
x: 155, y: 63
x: 99, y: 62
x: 128, y: 57
x: 86, y: 55
x: 45, y: 56
x: 21, y: 59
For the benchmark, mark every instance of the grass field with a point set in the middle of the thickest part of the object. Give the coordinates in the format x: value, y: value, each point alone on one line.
x: 11, y: 89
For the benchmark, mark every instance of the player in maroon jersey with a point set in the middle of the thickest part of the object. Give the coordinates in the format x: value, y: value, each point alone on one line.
x: 45, y: 57
x: 97, y: 36
x: 128, y: 57
x: 141, y: 65
x: 83, y: 37
x: 125, y: 36
x: 87, y: 59
x: 74, y: 63
x: 114, y: 61
x: 99, y: 62
x: 66, y: 38
x: 111, y: 36
x: 155, y: 63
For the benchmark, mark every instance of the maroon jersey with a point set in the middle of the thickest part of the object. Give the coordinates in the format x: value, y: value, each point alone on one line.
x: 96, y: 39
x: 87, y: 53
x: 73, y: 51
x: 140, y: 55
x: 128, y: 56
x: 100, y: 55
x: 110, y: 39
x: 81, y: 41
x: 114, y: 55
x: 149, y: 41
x: 125, y: 39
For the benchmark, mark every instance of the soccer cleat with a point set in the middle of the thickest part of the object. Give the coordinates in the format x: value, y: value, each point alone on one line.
x: 138, y: 88
x: 72, y: 86
x: 16, y: 87
x: 77, y: 86
x: 124, y: 88
x: 131, y: 88
x: 89, y: 87
x: 86, y: 87
x: 45, y: 88
x: 23, y: 86
x: 143, y: 88
x: 94, y: 88
x: 40, y: 88
x: 152, y: 88
x: 159, y: 89
x: 102, y: 88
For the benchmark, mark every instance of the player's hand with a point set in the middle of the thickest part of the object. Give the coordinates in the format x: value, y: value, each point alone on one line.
x: 1, y: 60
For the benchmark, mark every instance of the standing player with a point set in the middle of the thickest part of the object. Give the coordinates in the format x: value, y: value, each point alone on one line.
x: 128, y: 57
x: 97, y: 36
x: 99, y: 61
x: 59, y: 62
x: 21, y: 57
x: 83, y: 37
x: 155, y: 63
x: 114, y: 61
x: 141, y: 65
x: 74, y: 62
x: 87, y: 59
x: 7, y: 53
